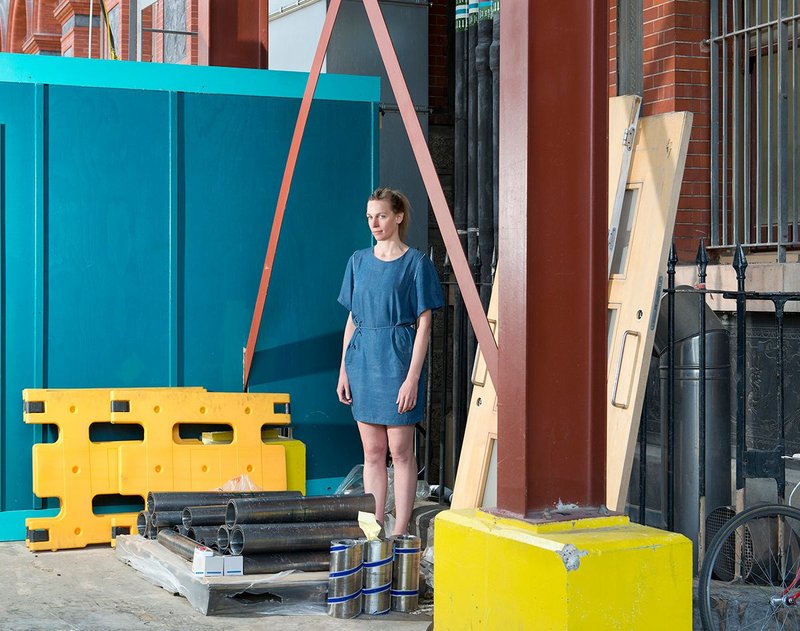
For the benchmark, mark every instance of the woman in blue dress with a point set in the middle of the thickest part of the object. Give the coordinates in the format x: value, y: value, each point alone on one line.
x: 389, y: 290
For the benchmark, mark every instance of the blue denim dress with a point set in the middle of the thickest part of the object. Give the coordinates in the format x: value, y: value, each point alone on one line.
x: 385, y: 298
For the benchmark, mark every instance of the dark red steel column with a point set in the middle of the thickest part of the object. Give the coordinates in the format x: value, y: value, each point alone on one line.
x: 553, y: 284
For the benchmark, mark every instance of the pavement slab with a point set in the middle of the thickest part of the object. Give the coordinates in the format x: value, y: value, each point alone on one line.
x: 90, y: 589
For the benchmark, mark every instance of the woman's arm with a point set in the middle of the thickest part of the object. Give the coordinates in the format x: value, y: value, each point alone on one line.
x: 407, y: 396
x: 343, y: 387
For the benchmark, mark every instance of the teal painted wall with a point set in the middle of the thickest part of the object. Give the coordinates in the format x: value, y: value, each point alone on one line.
x: 135, y: 207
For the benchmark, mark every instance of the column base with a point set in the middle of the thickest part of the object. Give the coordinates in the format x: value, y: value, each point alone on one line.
x: 597, y: 573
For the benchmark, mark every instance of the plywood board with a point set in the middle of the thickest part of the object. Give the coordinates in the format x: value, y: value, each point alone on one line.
x: 647, y: 219
x: 474, y: 477
x: 623, y: 115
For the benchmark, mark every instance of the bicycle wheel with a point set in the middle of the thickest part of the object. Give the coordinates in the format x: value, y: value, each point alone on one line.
x: 750, y: 578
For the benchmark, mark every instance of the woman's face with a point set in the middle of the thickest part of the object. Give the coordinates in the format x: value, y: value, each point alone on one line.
x: 382, y: 220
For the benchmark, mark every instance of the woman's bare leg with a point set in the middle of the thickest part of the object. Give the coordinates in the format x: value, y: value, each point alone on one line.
x: 374, y: 441
x: 401, y: 444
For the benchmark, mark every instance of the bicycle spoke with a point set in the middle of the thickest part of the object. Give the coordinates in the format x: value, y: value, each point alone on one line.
x: 757, y: 553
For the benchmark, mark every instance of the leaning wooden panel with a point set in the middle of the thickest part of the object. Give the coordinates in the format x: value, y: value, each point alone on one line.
x: 623, y: 115
x: 480, y: 435
x: 646, y: 223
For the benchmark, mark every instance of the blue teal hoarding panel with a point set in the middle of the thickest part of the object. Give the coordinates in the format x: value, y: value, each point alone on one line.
x: 107, y: 225
x: 134, y: 226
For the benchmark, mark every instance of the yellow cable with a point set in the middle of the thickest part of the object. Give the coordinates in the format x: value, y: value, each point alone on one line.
x: 111, y: 47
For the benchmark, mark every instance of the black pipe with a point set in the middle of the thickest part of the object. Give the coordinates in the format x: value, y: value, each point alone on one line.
x: 250, y: 538
x: 702, y: 265
x: 671, y: 263
x: 427, y: 453
x: 180, y: 545
x: 207, y: 535
x: 443, y: 414
x: 781, y: 481
x: 460, y: 382
x: 643, y: 458
x: 460, y: 129
x: 211, y: 515
x: 472, y: 135
x: 181, y: 530
x: 306, y: 561
x: 461, y: 187
x: 178, y: 500
x: 168, y: 518
x: 494, y: 64
x: 468, y: 354
x: 484, y: 153
x: 142, y: 523
x: 223, y: 538
x: 740, y: 265
x: 304, y: 509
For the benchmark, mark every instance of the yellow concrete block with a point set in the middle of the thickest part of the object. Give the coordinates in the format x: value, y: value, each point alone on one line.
x: 594, y: 574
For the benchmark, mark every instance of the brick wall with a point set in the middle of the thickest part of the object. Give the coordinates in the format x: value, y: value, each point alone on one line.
x: 677, y: 78
x: 439, y: 61
x: 17, y: 25
x: 612, y: 48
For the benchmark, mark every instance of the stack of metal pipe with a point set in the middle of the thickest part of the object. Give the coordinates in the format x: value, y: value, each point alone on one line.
x: 274, y: 531
x: 296, y: 524
x: 165, y: 510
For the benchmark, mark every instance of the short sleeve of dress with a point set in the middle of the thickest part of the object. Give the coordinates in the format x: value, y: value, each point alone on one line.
x: 429, y: 289
x: 346, y: 292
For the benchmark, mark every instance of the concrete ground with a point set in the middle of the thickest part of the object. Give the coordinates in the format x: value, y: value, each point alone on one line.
x: 90, y: 589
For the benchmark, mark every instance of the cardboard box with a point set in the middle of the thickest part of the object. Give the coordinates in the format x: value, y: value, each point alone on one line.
x: 206, y: 562
x: 232, y: 566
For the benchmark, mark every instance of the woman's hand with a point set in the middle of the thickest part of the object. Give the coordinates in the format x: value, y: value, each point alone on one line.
x: 407, y: 396
x: 343, y: 389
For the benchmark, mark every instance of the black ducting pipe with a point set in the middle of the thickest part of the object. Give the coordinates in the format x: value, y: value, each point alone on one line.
x: 460, y: 164
x: 461, y: 185
x: 207, y: 535
x: 223, y: 538
x: 178, y: 500
x: 473, y: 255
x: 472, y: 136
x: 251, y: 538
x: 484, y: 154
x: 308, y: 561
x: 166, y: 519
x: 304, y: 509
x: 494, y: 64
x: 142, y: 523
x: 180, y: 545
x: 211, y: 515
x: 181, y: 529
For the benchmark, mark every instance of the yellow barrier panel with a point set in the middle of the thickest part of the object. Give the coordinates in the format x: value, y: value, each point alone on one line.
x: 76, y: 470
x: 166, y: 461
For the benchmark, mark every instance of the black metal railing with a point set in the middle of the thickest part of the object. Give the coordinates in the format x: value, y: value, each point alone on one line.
x: 762, y: 460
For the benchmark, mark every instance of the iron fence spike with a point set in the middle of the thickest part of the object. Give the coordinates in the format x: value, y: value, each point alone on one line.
x: 672, y: 261
x: 739, y: 262
x: 702, y: 262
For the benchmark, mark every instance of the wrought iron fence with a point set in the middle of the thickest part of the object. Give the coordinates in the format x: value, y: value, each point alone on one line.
x: 752, y: 431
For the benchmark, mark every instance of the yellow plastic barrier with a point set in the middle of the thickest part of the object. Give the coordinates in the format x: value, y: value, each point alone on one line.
x: 165, y: 461
x: 76, y: 470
